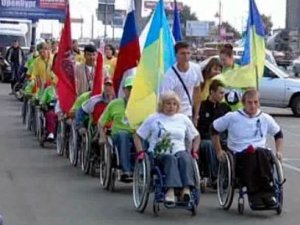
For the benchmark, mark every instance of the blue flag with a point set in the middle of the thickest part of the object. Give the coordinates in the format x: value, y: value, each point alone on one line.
x: 176, y: 24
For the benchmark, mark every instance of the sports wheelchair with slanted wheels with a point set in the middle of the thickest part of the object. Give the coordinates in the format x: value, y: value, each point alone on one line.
x: 228, y: 181
x: 148, y: 177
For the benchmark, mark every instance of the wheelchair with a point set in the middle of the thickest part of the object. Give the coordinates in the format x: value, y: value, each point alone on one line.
x: 110, y: 169
x: 89, y: 149
x: 30, y: 121
x: 41, y: 123
x: 148, y: 178
x: 62, y: 136
x: 73, y: 143
x: 227, y: 182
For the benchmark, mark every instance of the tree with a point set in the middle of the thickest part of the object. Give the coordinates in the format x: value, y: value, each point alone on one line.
x: 267, y: 20
x: 185, y: 15
x: 230, y: 29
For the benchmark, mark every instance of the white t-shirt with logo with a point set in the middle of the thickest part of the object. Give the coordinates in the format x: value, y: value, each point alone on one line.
x: 179, y: 126
x: 244, y: 130
x: 191, y: 78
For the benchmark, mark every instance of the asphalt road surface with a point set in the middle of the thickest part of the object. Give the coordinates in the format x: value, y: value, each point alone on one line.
x: 39, y: 188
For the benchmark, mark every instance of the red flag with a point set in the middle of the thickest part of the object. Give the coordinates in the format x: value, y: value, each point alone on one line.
x: 98, y: 78
x: 64, y: 67
x: 129, y: 52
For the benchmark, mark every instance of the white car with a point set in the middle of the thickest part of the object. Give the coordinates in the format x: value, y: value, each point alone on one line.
x: 296, y: 67
x: 276, y: 89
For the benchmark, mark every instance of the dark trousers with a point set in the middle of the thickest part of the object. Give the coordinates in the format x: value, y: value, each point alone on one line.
x: 178, y: 169
x: 208, y: 160
x: 15, y: 69
x: 255, y: 171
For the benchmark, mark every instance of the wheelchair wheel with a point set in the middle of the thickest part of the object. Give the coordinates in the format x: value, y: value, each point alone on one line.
x: 60, y: 140
x: 24, y: 112
x: 85, y: 153
x: 141, y: 184
x: 197, y: 176
x: 278, y: 181
x: 156, y: 208
x: 28, y: 122
x: 73, y: 150
x: 106, y: 165
x: 241, y: 206
x: 17, y: 90
x: 40, y: 127
x: 224, y: 182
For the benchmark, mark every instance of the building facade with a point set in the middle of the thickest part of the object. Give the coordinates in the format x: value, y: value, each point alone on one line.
x: 293, y: 14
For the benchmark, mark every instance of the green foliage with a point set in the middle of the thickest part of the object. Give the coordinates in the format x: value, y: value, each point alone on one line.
x: 164, y: 145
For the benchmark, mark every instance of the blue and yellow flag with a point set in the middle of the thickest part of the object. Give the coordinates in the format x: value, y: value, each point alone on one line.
x: 157, y: 57
x: 253, y: 59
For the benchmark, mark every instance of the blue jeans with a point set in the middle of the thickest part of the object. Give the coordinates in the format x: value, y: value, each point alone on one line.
x: 178, y: 169
x: 80, y: 118
x: 210, y: 158
x: 124, y: 143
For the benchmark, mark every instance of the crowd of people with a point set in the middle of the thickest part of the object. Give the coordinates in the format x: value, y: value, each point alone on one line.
x: 197, y: 117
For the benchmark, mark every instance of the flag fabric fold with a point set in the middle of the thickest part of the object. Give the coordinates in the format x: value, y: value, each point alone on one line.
x: 157, y: 57
x: 129, y: 51
x: 176, y: 24
x: 253, y: 59
x: 64, y: 67
x: 98, y: 78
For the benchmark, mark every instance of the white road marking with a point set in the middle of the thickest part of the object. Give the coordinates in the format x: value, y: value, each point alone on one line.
x: 291, y: 167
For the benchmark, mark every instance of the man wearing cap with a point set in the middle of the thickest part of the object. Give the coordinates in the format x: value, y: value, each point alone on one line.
x: 121, y: 130
x: 84, y: 73
x: 95, y: 105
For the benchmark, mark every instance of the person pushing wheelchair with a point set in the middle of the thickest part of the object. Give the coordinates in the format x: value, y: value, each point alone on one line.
x: 247, y: 135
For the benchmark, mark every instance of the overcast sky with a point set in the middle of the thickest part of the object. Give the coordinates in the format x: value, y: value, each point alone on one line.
x: 233, y: 11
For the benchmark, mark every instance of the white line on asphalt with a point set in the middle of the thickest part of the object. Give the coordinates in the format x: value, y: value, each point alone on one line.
x: 291, y: 167
x: 290, y: 159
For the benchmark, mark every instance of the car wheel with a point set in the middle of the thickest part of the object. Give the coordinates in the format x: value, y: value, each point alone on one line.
x: 1, y: 75
x: 295, y: 105
x: 296, y: 74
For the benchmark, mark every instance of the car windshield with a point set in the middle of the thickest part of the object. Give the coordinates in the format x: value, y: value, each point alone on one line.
x: 6, y: 40
x: 278, y: 71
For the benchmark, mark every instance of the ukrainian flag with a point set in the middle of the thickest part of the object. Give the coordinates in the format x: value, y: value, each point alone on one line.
x: 157, y: 57
x: 253, y: 59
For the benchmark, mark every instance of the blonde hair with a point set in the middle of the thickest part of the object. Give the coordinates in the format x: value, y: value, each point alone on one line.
x: 170, y: 95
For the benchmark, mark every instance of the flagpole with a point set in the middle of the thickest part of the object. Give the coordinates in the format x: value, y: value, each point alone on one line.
x: 256, y: 77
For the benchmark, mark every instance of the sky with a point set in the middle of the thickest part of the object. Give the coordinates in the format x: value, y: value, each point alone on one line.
x: 236, y: 11
x: 233, y: 11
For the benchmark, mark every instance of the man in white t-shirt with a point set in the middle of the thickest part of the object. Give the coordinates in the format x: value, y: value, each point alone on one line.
x: 247, y: 135
x: 185, y: 78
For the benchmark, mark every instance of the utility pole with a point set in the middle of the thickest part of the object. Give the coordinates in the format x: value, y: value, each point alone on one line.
x: 220, y: 19
x: 92, y: 26
x: 105, y: 21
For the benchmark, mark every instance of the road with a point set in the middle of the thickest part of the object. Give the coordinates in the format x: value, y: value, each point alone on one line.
x: 39, y: 188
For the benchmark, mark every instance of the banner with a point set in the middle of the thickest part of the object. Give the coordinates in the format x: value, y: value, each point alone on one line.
x: 33, y: 9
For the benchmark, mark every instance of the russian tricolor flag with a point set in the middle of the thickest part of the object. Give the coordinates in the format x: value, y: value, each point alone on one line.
x: 129, y: 51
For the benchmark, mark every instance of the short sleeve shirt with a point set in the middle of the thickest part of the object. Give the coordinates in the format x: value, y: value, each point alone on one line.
x: 179, y: 126
x: 192, y: 78
x: 115, y: 113
x: 244, y: 131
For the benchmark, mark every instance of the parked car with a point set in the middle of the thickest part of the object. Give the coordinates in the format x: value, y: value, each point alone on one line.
x: 5, y: 70
x: 296, y: 67
x: 276, y: 88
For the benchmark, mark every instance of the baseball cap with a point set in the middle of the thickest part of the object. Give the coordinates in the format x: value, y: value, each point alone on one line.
x: 108, y: 80
x: 128, y: 81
